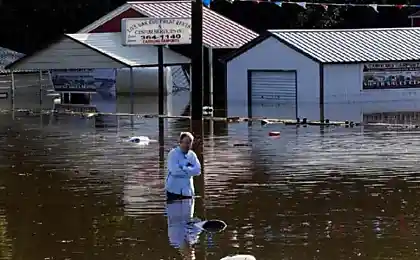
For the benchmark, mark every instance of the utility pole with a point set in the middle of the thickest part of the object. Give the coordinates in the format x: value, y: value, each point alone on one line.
x: 197, y: 93
x: 197, y: 68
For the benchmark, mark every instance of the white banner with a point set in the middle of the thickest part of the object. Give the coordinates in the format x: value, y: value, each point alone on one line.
x: 84, y: 80
x: 156, y: 31
x: 102, y: 87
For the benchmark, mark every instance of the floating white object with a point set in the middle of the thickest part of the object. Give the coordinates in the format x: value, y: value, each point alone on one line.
x: 57, y: 101
x: 141, y: 140
x: 90, y: 115
x: 138, y: 139
x: 239, y: 257
x: 266, y: 122
x: 53, y: 95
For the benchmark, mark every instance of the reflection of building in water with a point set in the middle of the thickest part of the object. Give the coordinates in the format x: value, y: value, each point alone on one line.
x: 5, y: 243
x: 393, y: 117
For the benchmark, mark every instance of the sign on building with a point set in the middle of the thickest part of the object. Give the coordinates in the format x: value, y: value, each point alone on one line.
x: 83, y: 80
x: 75, y: 108
x: 391, y: 75
x: 156, y: 31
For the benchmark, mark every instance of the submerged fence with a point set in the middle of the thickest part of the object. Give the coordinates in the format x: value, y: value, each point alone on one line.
x: 231, y: 120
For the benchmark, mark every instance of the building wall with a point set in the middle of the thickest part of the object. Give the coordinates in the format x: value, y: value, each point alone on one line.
x: 415, y: 22
x: 272, y: 54
x: 114, y: 25
x: 346, y: 100
x: 344, y: 97
x: 145, y: 81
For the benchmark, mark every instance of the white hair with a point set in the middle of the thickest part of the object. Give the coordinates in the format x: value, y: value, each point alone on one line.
x: 188, y: 134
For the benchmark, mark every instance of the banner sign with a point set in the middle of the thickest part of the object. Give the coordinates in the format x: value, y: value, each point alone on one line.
x: 391, y: 75
x: 75, y: 108
x: 82, y: 80
x: 156, y: 31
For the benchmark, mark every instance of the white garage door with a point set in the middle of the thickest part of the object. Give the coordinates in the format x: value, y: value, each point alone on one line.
x: 274, y: 94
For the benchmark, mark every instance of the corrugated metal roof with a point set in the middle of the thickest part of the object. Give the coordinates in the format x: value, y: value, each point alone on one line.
x: 416, y: 14
x: 219, y: 32
x: 134, y: 56
x: 6, y: 57
x: 355, y: 45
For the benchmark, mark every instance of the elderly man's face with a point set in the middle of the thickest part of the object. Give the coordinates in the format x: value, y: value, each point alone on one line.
x: 185, y: 144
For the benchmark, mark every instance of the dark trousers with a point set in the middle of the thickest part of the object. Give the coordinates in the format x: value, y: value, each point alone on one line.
x: 172, y: 196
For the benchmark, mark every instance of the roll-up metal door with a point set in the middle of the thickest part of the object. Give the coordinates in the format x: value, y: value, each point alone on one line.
x: 273, y: 94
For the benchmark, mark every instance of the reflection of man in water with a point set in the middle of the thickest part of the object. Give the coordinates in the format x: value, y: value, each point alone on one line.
x: 182, y: 232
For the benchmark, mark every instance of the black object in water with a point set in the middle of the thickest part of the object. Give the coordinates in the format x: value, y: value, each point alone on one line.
x: 214, y: 225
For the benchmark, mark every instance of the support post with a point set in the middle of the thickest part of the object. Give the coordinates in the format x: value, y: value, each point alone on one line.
x: 161, y: 81
x: 197, y: 68
x: 12, y: 94
x: 211, y: 95
x: 40, y: 88
x: 211, y: 91
x: 12, y: 88
x: 131, y: 97
x: 321, y: 93
x: 131, y: 91
x: 206, y: 78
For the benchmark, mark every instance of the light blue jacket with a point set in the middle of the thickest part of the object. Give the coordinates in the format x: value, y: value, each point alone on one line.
x: 181, y: 168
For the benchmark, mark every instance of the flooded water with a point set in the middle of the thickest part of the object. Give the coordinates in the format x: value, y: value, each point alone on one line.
x: 70, y: 190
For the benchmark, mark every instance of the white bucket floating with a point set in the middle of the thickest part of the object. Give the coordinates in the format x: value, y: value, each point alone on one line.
x: 141, y: 140
x: 239, y: 257
x: 90, y: 115
x: 52, y: 94
x: 57, y: 100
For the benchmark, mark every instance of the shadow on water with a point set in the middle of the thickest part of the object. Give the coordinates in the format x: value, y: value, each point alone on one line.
x: 70, y: 190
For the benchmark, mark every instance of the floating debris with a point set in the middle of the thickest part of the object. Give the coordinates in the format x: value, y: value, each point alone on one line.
x: 274, y: 133
x: 239, y: 257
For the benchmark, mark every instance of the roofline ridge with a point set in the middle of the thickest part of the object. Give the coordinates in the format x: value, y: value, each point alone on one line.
x: 345, y: 30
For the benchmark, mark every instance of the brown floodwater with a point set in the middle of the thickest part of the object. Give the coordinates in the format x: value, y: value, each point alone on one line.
x: 70, y: 189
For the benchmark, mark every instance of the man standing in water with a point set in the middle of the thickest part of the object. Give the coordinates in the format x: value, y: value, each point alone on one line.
x: 183, y: 165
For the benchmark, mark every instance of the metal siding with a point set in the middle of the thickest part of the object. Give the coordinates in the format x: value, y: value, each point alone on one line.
x: 8, y: 56
x: 343, y: 84
x: 260, y: 57
x: 345, y: 99
x: 136, y: 56
x: 355, y: 45
x: 66, y: 54
x: 273, y: 94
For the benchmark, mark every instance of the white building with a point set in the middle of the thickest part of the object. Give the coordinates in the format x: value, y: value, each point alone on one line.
x: 325, y: 74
